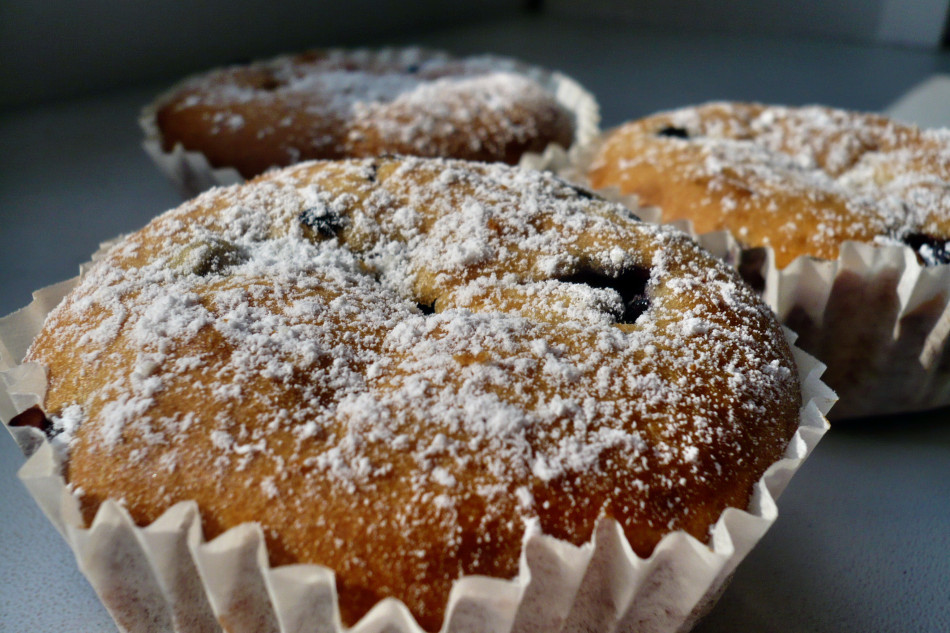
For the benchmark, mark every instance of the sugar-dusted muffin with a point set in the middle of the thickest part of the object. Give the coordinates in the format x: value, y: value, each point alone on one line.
x: 860, y: 201
x: 332, y: 104
x: 800, y: 180
x: 397, y: 367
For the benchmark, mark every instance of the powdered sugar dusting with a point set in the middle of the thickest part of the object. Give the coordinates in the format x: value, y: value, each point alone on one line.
x: 419, y: 359
x: 333, y: 104
x: 801, y: 180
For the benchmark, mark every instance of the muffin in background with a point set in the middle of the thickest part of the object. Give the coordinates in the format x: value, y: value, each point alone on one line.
x: 234, y: 123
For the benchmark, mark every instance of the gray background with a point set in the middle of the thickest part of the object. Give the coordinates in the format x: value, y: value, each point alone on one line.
x: 58, y: 48
x: 862, y: 544
x: 906, y: 22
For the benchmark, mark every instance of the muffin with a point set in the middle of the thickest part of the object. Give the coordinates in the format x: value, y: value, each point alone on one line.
x: 236, y: 122
x: 839, y: 216
x: 466, y: 387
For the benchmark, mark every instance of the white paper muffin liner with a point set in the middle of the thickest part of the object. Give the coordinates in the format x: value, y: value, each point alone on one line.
x: 191, y: 173
x: 165, y: 577
x: 875, y: 316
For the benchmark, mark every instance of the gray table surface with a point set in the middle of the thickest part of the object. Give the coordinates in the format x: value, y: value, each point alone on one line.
x: 862, y: 543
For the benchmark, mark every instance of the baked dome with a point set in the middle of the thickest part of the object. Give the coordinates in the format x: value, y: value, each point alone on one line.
x: 800, y: 180
x: 331, y: 104
x: 392, y: 365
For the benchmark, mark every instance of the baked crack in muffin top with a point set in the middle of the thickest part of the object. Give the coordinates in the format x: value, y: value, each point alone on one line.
x: 396, y: 366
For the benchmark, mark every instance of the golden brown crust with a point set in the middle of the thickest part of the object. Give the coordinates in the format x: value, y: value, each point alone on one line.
x: 333, y: 104
x: 266, y: 351
x: 801, y: 180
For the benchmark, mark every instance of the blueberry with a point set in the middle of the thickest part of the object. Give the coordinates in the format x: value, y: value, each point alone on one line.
x: 322, y: 221
x: 426, y: 308
x: 209, y: 256
x: 584, y: 193
x: 932, y: 250
x: 673, y: 132
x: 631, y: 285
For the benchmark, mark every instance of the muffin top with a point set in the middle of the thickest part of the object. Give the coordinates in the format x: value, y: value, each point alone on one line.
x: 396, y: 365
x: 801, y: 180
x: 330, y: 104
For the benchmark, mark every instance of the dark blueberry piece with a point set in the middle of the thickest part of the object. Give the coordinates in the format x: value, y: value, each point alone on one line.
x: 673, y: 132
x: 373, y: 170
x: 932, y: 250
x: 412, y: 69
x: 584, y: 193
x: 751, y: 267
x: 264, y: 80
x: 270, y: 84
x: 34, y: 417
x: 631, y: 285
x: 580, y: 192
x: 217, y: 256
x: 322, y: 221
x: 206, y: 257
x: 426, y: 308
x: 637, y: 306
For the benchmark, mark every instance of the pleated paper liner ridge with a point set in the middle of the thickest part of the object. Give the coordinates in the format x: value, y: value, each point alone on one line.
x: 166, y: 577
